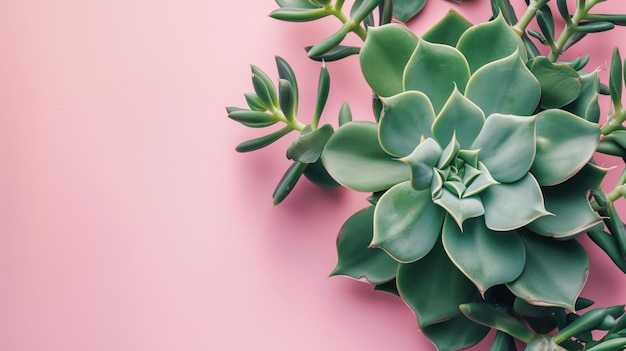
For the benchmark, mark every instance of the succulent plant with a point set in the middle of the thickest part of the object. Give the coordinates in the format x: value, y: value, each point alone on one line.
x: 480, y: 164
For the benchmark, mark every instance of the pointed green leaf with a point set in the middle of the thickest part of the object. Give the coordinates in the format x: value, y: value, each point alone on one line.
x: 560, y: 84
x: 480, y: 183
x: 258, y: 143
x: 308, y: 146
x: 434, y: 288
x: 551, y: 282
x: 384, y: 55
x: 404, y: 10
x: 569, y: 203
x: 329, y: 43
x: 406, y: 118
x: 507, y: 146
x: 255, y: 103
x: 616, y: 344
x: 286, y: 99
x: 615, y: 79
x: 406, y: 223
x: 513, y: 205
x: 286, y: 72
x: 452, y: 69
x: 502, y: 39
x: 586, y: 105
x: 356, y: 259
x: 448, y: 30
x: 354, y: 158
x: 504, y: 86
x: 609, y: 244
x: 264, y: 87
x: 288, y: 181
x: 291, y: 14
x: 505, y: 8
x: 421, y: 161
x: 345, y: 114
x: 337, y: 53
x: 461, y: 117
x: 460, y: 209
x: 362, y: 8
x: 248, y: 116
x: 497, y: 319
x: 545, y: 20
x: 501, y: 259
x: 565, y: 143
x: 455, y: 334
x: 323, y: 88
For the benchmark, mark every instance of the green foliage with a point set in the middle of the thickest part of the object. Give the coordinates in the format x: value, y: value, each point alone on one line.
x: 480, y: 163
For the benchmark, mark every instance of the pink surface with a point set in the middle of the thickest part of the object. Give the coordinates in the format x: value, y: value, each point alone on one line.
x: 127, y: 221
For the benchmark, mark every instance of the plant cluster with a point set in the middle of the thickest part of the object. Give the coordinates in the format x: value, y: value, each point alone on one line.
x: 479, y: 162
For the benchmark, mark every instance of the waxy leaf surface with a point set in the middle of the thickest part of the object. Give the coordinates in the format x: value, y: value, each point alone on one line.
x: 507, y: 146
x: 435, y: 69
x: 459, y: 117
x: 565, y: 143
x: 406, y: 118
x: 562, y: 263
x: 466, y: 333
x: 490, y: 41
x: 406, y: 223
x: 486, y: 257
x: 504, y: 86
x: 512, y: 205
x: 384, y: 55
x: 354, y: 158
x: 434, y: 288
x: 356, y: 259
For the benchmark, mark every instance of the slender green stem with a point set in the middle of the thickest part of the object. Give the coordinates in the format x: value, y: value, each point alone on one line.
x: 618, y: 192
x: 582, y: 10
x: 527, y: 17
x: 295, y: 124
x: 614, y: 122
x: 345, y: 19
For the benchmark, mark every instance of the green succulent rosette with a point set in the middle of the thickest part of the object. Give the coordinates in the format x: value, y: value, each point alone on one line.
x: 480, y: 172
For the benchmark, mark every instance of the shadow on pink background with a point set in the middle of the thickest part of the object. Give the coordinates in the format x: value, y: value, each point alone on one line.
x: 128, y: 222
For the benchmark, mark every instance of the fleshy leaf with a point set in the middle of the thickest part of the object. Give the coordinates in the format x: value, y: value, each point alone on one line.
x: 586, y: 105
x: 404, y: 10
x: 497, y: 319
x: 319, y: 176
x: 461, y: 116
x: 406, y: 223
x: 504, y: 86
x: 434, y: 288
x: 486, y: 257
x: 460, y: 209
x: 422, y: 160
x: 384, y: 56
x: 489, y: 42
x: 562, y: 263
x: 507, y: 146
x: 406, y: 118
x: 308, y: 146
x: 354, y: 158
x: 480, y: 183
x: 304, y: 4
x: 356, y: 259
x: 513, y: 205
x: 568, y: 201
x: 465, y: 333
x: 448, y: 30
x: 565, y: 143
x: 560, y: 84
x: 437, y: 84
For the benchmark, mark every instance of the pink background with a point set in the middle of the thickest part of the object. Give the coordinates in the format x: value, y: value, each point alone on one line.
x: 128, y: 221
